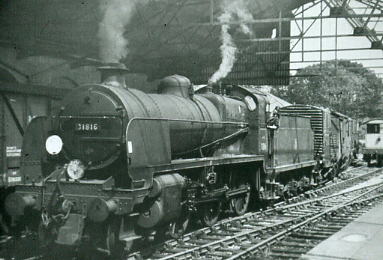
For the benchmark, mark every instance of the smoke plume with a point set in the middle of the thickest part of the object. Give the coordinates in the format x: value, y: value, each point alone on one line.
x: 228, y: 48
x: 117, y: 15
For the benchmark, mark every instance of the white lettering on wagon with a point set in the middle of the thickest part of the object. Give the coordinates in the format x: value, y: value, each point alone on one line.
x: 14, y: 179
x: 13, y: 151
x: 12, y: 176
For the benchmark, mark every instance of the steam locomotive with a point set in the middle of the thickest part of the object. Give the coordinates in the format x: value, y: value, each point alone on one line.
x: 115, y: 165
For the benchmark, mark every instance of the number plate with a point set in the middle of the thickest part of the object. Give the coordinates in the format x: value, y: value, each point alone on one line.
x: 87, y: 127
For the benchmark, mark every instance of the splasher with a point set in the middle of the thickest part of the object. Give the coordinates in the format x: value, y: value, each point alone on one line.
x: 117, y: 15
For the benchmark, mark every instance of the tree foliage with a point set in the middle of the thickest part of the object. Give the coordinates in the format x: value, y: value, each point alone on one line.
x: 345, y: 86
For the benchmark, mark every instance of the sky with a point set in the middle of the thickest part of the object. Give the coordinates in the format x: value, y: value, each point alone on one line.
x: 329, y: 28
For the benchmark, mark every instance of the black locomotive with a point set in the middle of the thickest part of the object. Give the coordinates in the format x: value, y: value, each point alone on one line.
x: 114, y: 165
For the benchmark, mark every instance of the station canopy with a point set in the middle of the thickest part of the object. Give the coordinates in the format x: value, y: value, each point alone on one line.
x: 165, y: 36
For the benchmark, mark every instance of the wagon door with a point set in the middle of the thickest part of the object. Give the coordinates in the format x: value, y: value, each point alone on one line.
x: 335, y: 138
x: 12, y: 133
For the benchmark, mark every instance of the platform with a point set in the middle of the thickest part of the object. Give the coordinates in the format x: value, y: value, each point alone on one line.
x: 361, y: 239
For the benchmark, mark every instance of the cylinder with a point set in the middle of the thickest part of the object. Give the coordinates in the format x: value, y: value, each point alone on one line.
x: 164, y: 181
x: 15, y: 203
x: 153, y: 216
x: 168, y: 189
x: 100, y: 209
x: 156, y: 188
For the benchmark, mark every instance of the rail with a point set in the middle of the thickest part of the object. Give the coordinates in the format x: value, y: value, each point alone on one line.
x: 217, y: 241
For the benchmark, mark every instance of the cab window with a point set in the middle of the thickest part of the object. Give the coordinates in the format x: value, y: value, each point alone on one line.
x: 251, y: 105
x: 373, y: 129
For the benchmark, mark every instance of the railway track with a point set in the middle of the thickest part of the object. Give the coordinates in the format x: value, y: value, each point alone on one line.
x: 356, y: 175
x: 203, y: 243
x: 235, y: 235
x: 300, y: 239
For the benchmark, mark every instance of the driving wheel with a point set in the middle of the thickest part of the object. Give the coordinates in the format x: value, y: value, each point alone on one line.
x: 178, y: 227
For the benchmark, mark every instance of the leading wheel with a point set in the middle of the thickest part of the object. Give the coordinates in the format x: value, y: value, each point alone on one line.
x: 178, y: 227
x: 117, y: 248
x: 209, y: 213
x: 104, y: 240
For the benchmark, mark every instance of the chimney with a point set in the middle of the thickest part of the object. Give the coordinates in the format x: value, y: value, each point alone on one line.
x: 113, y: 74
x: 209, y: 86
x: 215, y: 87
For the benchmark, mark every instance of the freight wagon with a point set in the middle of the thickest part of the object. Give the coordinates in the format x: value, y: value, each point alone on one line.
x: 333, y: 136
x: 19, y: 104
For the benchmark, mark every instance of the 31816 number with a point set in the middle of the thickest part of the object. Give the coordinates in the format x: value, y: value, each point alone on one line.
x: 87, y: 127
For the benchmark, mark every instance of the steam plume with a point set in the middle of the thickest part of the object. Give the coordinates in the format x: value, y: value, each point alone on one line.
x: 240, y: 8
x: 117, y: 15
x: 242, y: 11
x: 228, y: 47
